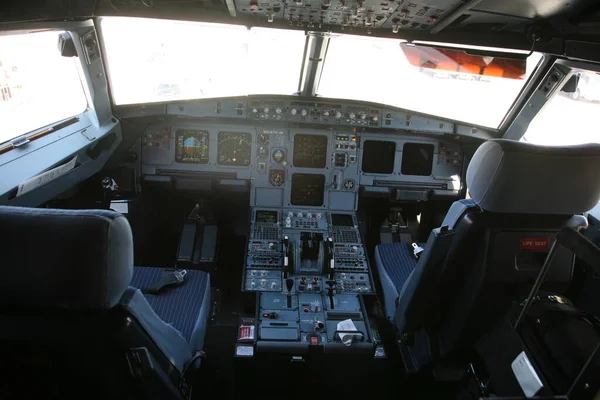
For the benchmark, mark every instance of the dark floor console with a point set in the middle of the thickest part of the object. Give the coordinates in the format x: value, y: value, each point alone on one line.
x: 310, y: 270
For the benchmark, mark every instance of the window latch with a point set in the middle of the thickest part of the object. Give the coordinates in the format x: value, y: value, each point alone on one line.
x: 19, y: 141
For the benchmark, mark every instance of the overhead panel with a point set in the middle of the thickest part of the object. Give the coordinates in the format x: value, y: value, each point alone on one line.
x: 350, y: 14
x: 420, y: 15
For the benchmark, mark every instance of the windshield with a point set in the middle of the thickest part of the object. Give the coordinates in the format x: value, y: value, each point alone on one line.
x: 158, y: 60
x: 376, y: 69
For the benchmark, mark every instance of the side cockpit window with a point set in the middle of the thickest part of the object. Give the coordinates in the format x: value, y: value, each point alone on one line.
x: 569, y: 118
x: 38, y: 86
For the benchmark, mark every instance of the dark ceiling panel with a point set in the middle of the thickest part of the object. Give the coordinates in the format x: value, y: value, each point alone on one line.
x: 37, y: 10
x: 531, y: 9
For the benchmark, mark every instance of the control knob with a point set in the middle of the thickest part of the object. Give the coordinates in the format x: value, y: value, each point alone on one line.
x: 326, y: 113
x: 278, y: 110
x: 303, y: 112
x: 254, y: 110
x: 338, y: 115
x: 375, y: 118
x: 363, y: 116
x: 266, y: 110
x: 352, y: 115
x: 294, y: 111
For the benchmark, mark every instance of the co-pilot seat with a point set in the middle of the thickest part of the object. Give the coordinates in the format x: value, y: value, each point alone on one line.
x: 72, y: 324
x: 489, y: 248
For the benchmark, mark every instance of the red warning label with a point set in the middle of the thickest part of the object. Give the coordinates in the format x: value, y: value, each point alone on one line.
x: 246, y: 332
x: 534, y: 243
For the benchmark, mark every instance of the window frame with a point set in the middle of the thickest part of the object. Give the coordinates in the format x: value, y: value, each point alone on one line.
x: 570, y: 67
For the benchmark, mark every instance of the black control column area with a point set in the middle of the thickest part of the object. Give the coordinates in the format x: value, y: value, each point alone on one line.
x: 310, y: 271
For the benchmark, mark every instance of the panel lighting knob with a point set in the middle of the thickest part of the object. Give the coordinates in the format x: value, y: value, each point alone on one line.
x: 363, y: 116
x: 266, y: 110
x: 338, y: 115
x: 375, y: 118
x: 278, y: 110
x: 294, y: 111
x: 303, y: 112
x: 326, y: 113
x: 352, y: 115
x: 254, y: 110
x: 299, y: 214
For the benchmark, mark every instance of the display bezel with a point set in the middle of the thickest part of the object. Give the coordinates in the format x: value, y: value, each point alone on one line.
x: 302, y: 163
x: 235, y: 164
x: 378, y: 160
x: 413, y: 161
x: 298, y: 190
x: 186, y: 133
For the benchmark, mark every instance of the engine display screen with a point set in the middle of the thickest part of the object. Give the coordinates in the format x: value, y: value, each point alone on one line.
x: 191, y: 146
x: 378, y: 157
x: 417, y: 159
x: 308, y: 189
x: 310, y: 151
x: 266, y: 216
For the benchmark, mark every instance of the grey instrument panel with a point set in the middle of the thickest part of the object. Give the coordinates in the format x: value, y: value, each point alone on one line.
x: 303, y: 167
x: 291, y: 109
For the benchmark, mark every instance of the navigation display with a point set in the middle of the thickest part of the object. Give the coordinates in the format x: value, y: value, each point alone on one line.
x: 234, y: 149
x: 310, y: 151
x: 417, y: 159
x: 308, y: 189
x: 191, y: 146
x: 378, y: 157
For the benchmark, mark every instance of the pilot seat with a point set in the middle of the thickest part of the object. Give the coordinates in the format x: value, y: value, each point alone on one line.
x: 489, y: 248
x: 75, y: 322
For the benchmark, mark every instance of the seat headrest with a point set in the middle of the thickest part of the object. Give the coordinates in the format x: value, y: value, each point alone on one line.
x: 506, y: 176
x: 69, y: 259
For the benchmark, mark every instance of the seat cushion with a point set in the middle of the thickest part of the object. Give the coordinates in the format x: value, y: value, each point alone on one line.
x: 395, y: 262
x: 185, y: 307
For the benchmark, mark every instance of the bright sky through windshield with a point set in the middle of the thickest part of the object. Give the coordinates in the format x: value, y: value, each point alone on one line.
x: 37, y: 85
x: 375, y: 69
x: 158, y: 60
x: 155, y: 60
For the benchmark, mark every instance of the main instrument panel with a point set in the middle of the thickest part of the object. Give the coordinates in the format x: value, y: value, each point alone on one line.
x: 302, y: 167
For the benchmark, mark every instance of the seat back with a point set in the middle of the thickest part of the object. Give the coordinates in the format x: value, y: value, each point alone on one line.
x: 70, y: 321
x: 491, y: 249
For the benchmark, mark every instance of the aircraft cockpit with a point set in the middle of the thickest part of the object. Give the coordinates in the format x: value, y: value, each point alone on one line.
x: 291, y: 198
